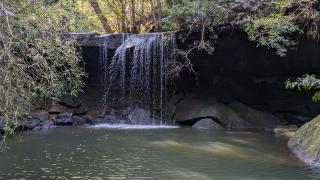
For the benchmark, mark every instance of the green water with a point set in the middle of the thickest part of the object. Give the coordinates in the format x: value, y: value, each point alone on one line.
x: 91, y: 153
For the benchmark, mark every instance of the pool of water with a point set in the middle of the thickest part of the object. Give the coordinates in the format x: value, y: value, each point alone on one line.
x: 118, y: 152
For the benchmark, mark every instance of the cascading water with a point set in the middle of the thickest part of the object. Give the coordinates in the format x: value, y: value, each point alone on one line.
x: 137, y: 74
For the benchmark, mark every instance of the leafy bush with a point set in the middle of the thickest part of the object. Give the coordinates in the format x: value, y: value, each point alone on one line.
x: 35, y: 64
x: 306, y: 83
x: 272, y: 31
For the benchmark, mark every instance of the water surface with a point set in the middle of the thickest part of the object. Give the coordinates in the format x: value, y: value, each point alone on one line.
x: 149, y: 153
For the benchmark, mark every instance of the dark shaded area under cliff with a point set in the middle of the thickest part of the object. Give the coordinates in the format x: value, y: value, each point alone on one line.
x: 237, y: 71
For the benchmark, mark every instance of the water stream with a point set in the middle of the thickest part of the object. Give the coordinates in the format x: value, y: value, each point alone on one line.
x: 150, y: 152
x: 137, y: 73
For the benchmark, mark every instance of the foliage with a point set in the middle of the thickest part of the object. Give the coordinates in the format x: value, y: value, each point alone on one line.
x: 272, y: 31
x: 35, y: 64
x: 306, y: 83
x: 197, y: 15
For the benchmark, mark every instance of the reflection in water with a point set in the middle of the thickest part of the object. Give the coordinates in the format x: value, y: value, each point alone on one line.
x: 116, y: 153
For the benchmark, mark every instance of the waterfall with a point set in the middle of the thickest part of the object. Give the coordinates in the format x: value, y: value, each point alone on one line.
x: 137, y: 74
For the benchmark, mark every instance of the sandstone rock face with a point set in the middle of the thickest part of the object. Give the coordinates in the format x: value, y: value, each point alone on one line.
x: 194, y: 107
x: 208, y: 124
x: 236, y: 115
x: 255, y: 119
x: 306, y: 143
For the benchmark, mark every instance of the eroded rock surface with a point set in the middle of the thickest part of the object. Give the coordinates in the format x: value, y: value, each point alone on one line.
x: 208, y: 124
x: 306, y: 143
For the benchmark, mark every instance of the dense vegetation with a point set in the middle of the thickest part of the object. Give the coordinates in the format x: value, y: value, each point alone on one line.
x: 35, y: 64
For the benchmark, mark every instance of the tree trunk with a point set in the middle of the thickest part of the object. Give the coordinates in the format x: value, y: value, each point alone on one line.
x: 159, y: 14
x: 101, y: 17
x: 155, y: 19
x: 123, y: 15
x: 133, y: 17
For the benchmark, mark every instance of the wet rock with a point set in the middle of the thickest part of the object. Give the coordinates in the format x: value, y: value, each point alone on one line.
x: 207, y: 124
x: 64, y: 119
x: 79, y: 111
x: 31, y: 123
x: 89, y: 119
x: 95, y: 113
x: 78, y: 120
x: 42, y: 115
x: 70, y: 101
x: 285, y: 131
x: 45, y: 126
x: 57, y: 109
x: 193, y: 107
x: 255, y: 119
x: 140, y: 116
x: 305, y: 143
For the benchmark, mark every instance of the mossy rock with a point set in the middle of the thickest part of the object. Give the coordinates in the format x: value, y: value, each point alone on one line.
x: 306, y: 143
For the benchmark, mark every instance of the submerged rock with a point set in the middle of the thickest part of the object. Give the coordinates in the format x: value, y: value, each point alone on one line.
x: 208, y: 124
x: 306, y: 143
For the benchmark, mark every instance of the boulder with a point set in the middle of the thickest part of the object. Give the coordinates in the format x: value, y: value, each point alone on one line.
x: 31, y: 123
x: 42, y: 115
x: 193, y: 107
x: 207, y: 124
x: 255, y: 119
x: 305, y: 143
x: 64, y: 119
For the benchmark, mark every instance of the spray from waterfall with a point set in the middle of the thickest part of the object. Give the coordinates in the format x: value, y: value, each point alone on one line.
x: 137, y: 74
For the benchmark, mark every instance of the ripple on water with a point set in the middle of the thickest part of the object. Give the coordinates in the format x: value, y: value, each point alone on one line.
x: 125, y: 126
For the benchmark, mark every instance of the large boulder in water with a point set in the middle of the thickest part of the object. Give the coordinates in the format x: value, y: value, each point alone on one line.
x: 192, y: 108
x: 306, y: 143
x: 254, y: 118
x: 208, y: 124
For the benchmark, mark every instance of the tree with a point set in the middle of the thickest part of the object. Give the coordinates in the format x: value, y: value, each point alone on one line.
x: 102, y: 18
x: 35, y: 64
